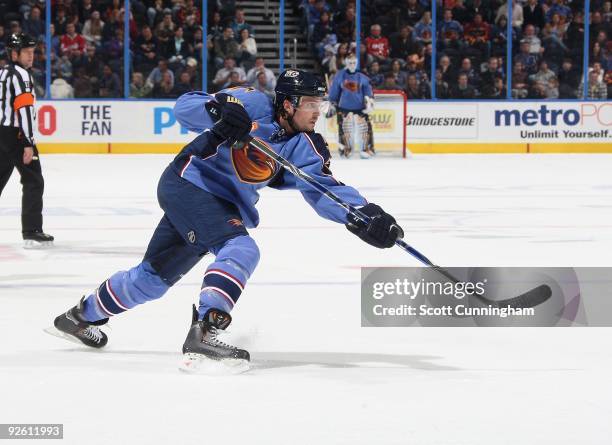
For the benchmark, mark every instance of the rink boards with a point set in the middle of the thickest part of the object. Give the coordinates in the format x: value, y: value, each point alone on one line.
x: 126, y: 126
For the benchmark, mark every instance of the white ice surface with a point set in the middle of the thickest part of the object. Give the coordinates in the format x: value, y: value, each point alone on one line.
x: 318, y: 377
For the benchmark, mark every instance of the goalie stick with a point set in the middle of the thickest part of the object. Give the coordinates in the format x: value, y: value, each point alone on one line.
x: 531, y: 298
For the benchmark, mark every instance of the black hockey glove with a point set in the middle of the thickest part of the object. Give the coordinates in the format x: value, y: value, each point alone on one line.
x: 234, y: 123
x: 382, y: 231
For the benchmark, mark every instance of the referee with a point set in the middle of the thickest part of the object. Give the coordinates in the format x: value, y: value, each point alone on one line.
x: 17, y: 148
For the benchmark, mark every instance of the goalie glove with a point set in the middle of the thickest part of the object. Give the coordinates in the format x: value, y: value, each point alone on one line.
x: 369, y: 105
x: 381, y: 231
x: 233, y: 123
x: 331, y: 111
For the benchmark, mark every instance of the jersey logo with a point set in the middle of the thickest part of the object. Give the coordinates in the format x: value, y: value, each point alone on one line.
x: 351, y: 85
x: 253, y: 166
x: 191, y: 236
x: 235, y: 222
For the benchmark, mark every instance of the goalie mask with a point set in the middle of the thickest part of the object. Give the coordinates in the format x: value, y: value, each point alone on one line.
x: 351, y: 64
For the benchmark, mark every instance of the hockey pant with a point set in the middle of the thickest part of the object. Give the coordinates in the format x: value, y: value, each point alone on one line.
x: 195, y: 223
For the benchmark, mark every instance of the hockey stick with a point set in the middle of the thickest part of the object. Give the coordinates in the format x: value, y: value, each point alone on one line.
x: 534, y: 297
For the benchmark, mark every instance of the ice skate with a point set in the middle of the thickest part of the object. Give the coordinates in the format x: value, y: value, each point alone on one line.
x: 73, y: 327
x: 37, y: 239
x: 204, y: 353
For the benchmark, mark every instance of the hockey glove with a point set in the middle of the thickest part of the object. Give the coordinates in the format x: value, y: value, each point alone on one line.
x: 234, y: 123
x: 382, y: 231
x: 369, y: 105
x: 331, y: 111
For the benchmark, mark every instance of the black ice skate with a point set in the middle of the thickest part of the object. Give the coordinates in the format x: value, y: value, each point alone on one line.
x: 204, y: 352
x: 72, y: 326
x: 37, y: 238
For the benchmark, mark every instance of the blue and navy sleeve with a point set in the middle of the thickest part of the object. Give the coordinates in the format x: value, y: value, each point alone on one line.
x: 312, y: 156
x: 190, y: 112
x: 334, y: 93
x: 366, y: 87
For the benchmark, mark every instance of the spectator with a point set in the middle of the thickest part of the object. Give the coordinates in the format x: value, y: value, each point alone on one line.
x: 83, y: 87
x: 109, y: 83
x: 72, y: 44
x: 544, y: 75
x: 558, y: 8
x: 225, y: 47
x: 517, y: 13
x: 138, y: 88
x: 493, y: 70
x: 412, y: 67
x: 460, y: 12
x: 262, y: 84
x: 240, y: 23
x: 345, y: 29
x: 147, y: 50
x: 34, y: 25
x: 183, y: 85
x: 188, y: 10
x: 164, y: 89
x: 569, y: 79
x: 468, y: 70
x: 520, y: 81
x: 177, y: 49
x: 389, y: 83
x: 60, y: 89
x: 533, y: 14
x: 476, y: 7
x: 64, y: 66
x: 412, y: 13
x: 223, y: 77
x: 528, y: 60
x: 86, y: 8
x: 416, y: 89
x: 535, y: 45
x: 92, y: 30
x: 376, y: 77
x: 260, y: 67
x: 336, y: 61
x: 498, y: 91
x: 450, y: 32
x: 157, y: 74
x: 155, y: 12
x: 398, y: 74
x: 463, y: 90
x: 247, y: 48
x: 442, y: 88
x: 477, y: 35
x: 423, y: 29
x: 91, y: 63
x: 403, y: 44
x: 215, y: 28
x: 164, y: 30
x: 377, y: 45
x: 320, y: 33
x: 447, y: 70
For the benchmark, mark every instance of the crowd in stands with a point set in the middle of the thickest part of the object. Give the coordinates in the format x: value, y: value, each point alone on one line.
x: 167, y: 42
x: 471, y: 50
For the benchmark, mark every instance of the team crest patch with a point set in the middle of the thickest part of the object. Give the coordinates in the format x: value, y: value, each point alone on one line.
x: 191, y: 236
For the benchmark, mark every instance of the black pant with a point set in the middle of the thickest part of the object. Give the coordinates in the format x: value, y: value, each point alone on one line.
x: 11, y: 156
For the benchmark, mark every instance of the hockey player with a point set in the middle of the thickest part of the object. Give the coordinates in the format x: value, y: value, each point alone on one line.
x: 351, y: 92
x: 208, y: 194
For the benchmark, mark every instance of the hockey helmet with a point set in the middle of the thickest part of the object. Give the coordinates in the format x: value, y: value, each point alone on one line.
x: 18, y: 41
x: 293, y: 84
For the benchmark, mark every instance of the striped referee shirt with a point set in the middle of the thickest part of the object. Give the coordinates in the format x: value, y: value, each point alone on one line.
x: 17, y: 98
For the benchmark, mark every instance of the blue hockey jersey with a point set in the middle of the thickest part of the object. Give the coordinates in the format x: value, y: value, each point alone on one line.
x: 236, y: 175
x: 348, y: 90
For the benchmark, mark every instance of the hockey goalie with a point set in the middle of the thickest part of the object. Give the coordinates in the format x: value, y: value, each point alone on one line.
x: 352, y: 100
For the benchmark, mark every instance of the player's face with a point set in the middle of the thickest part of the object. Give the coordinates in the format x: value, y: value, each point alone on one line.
x: 306, y: 115
x: 26, y: 57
